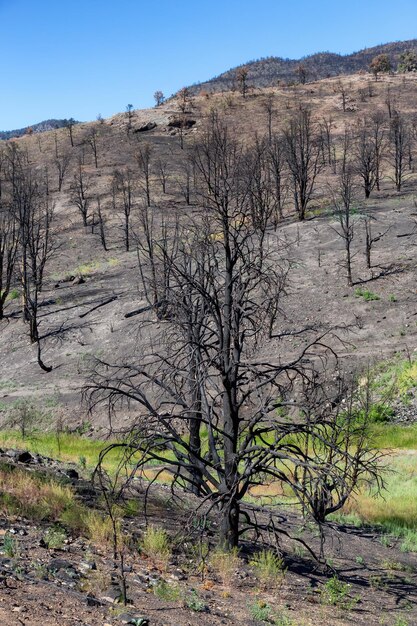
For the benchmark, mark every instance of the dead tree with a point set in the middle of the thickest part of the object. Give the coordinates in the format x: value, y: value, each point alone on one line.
x: 303, y: 150
x: 79, y: 192
x: 277, y: 159
x: 400, y: 142
x: 211, y: 374
x: 161, y: 172
x: 242, y: 79
x: 343, y: 91
x: 92, y: 141
x: 185, y: 181
x: 184, y: 104
x: 123, y: 186
x: 379, y: 142
x: 326, y: 126
x: 143, y: 159
x: 365, y: 157
x: 262, y: 198
x: 69, y: 125
x: 101, y: 224
x: 9, y: 233
x: 62, y: 164
x: 343, y: 211
x: 268, y: 106
x: 370, y: 239
x: 159, y: 98
x: 33, y: 213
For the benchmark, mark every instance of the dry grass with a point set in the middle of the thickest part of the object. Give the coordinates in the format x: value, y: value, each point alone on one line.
x: 33, y: 497
x: 224, y: 565
x: 156, y: 546
x: 39, y: 500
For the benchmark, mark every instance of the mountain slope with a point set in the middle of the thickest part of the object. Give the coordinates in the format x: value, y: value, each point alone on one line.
x: 268, y: 72
x: 41, y: 127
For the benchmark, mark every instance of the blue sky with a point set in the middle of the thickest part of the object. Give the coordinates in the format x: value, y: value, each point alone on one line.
x: 80, y: 58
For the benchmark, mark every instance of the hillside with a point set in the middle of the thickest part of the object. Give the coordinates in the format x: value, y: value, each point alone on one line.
x: 108, y: 315
x: 272, y: 70
x: 40, y: 127
x: 115, y: 272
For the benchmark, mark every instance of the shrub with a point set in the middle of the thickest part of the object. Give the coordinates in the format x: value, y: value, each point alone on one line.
x: 194, y: 602
x: 336, y: 593
x: 380, y: 412
x: 100, y: 529
x: 169, y: 592
x: 10, y: 546
x: 366, y: 294
x: 224, y: 564
x: 269, y: 568
x: 54, y: 538
x: 156, y: 546
x: 33, y: 497
x: 260, y: 611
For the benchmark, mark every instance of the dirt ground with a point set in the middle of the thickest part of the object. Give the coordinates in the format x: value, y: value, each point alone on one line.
x: 76, y: 583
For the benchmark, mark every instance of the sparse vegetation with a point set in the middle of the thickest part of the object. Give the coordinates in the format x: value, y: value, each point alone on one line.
x: 156, y: 205
x: 156, y: 546
x: 367, y: 295
x: 54, y: 537
x: 337, y: 593
x: 225, y: 563
x: 269, y: 568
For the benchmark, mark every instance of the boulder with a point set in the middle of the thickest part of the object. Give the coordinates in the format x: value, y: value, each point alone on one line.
x: 177, y: 122
x: 145, y: 127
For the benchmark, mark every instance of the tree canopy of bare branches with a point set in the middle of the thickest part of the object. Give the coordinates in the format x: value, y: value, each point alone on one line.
x: 213, y: 406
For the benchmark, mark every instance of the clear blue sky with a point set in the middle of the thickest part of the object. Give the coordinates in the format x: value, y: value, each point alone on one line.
x: 78, y: 58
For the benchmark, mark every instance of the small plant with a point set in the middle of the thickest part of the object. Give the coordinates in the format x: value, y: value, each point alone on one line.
x: 269, y: 568
x: 386, y: 541
x: 10, y: 546
x: 26, y: 417
x: 260, y: 611
x: 169, y: 592
x: 377, y: 582
x: 82, y: 462
x: 393, y: 566
x: 299, y: 551
x: 225, y: 564
x: 41, y: 571
x: 360, y: 560
x: 400, y: 621
x: 13, y: 294
x: 392, y: 298
x: 100, y: 529
x: 156, y: 545
x: 54, y: 538
x: 283, y: 620
x: 380, y: 412
x: 194, y: 602
x: 336, y: 593
x: 367, y: 295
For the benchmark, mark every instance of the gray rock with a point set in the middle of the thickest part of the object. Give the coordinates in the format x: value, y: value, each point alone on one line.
x: 58, y: 564
x: 72, y: 473
x: 93, y: 601
x: 78, y: 280
x: 146, y: 127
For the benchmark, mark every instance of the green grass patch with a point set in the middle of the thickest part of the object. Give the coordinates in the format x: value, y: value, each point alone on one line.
x: 395, y: 378
x: 394, y: 436
x: 367, y: 295
x: 64, y: 447
x: 395, y: 511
